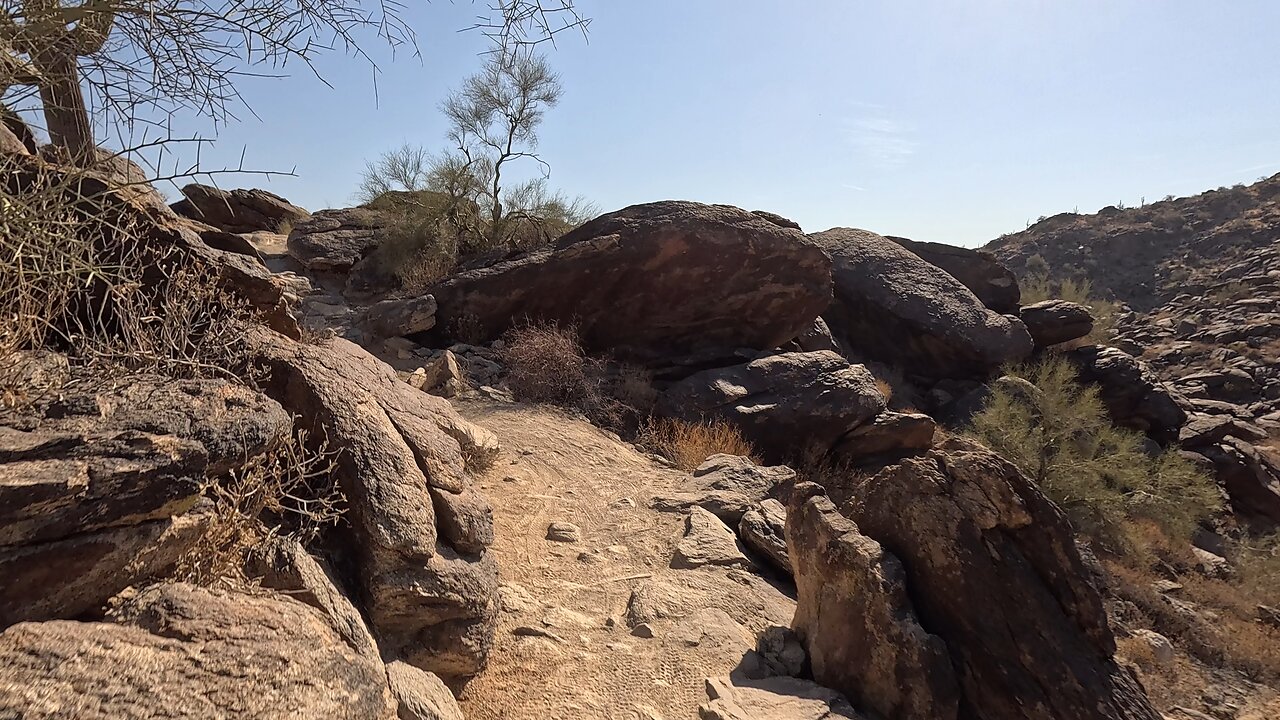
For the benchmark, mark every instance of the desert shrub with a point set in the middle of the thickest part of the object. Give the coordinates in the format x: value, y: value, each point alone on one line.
x: 1062, y: 438
x: 545, y: 363
x: 287, y: 492
x: 79, y: 276
x: 1037, y: 287
x: 689, y: 444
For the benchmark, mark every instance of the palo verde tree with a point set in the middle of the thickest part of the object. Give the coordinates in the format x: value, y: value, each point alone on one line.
x: 121, y: 62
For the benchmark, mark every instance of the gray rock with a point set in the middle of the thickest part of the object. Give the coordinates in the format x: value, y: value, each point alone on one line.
x: 334, y: 240
x: 420, y: 695
x: 774, y: 698
x: 763, y: 529
x: 1053, y: 322
x: 994, y: 284
x: 707, y: 541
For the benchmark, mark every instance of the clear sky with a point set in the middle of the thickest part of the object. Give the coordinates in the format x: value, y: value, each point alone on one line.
x: 945, y: 120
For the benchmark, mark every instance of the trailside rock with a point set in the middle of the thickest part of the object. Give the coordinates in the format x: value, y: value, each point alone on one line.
x: 1133, y: 395
x: 994, y: 284
x: 396, y: 318
x: 1052, y: 322
x: 992, y: 567
x: 618, y: 279
x: 888, y: 433
x: 420, y: 532
x: 183, y: 651
x: 892, y: 305
x: 786, y: 405
x: 1250, y: 476
x: 238, y: 211
x: 773, y: 698
x: 420, y: 694
x: 763, y: 529
x: 707, y: 541
x: 334, y: 240
x: 856, y: 621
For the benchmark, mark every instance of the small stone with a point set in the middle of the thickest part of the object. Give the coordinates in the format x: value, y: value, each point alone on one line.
x: 563, y: 532
x: 1161, y: 648
x: 643, y: 630
x: 529, y: 631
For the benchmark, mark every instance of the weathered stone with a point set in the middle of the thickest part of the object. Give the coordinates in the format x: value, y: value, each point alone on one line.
x: 763, y: 529
x: 787, y: 405
x: 1250, y: 476
x: 758, y: 283
x: 707, y: 541
x: 334, y: 240
x: 238, y: 211
x: 774, y: 698
x: 1052, y: 322
x: 994, y: 284
x: 1133, y: 395
x: 395, y: 318
x: 443, y: 377
x: 888, y: 433
x: 183, y: 651
x: 894, y: 306
x: 429, y: 585
x: 420, y: 695
x: 563, y: 532
x: 856, y: 621
x: 973, y: 532
x: 283, y: 564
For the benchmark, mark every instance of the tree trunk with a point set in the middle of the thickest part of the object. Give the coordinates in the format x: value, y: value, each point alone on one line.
x: 65, y: 113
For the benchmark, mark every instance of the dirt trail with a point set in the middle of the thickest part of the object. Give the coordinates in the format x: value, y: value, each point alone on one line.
x: 564, y: 647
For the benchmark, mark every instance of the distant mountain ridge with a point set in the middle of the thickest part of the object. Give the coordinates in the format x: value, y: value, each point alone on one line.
x: 1147, y: 255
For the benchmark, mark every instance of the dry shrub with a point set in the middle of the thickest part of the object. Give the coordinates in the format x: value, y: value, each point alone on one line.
x: 287, y: 492
x: 689, y: 444
x: 545, y: 363
x: 633, y: 387
x: 884, y: 388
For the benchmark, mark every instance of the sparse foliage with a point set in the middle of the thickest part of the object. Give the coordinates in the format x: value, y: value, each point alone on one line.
x: 1037, y: 287
x: 545, y: 363
x: 1062, y: 438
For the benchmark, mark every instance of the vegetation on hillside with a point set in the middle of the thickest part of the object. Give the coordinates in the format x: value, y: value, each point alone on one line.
x: 1103, y: 476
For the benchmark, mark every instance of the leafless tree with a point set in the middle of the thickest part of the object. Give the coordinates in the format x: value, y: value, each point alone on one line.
x: 140, y: 61
x: 406, y: 168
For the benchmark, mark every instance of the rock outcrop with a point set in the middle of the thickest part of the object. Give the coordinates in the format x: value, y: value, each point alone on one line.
x: 238, y: 211
x: 893, y: 306
x: 420, y: 531
x: 335, y: 240
x: 994, y: 284
x: 786, y: 404
x: 856, y: 621
x: 972, y: 532
x: 183, y: 651
x: 619, y: 278
x: 1134, y: 396
x: 97, y: 496
x: 1053, y: 322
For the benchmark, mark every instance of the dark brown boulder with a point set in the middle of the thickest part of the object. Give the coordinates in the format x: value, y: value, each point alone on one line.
x: 893, y: 306
x: 786, y: 405
x: 1251, y: 477
x: 994, y: 284
x: 238, y: 211
x: 992, y: 568
x: 1052, y: 322
x: 627, y: 281
x: 1134, y: 396
x: 182, y: 651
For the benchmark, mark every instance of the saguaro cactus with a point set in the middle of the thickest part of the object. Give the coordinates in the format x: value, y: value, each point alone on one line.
x: 43, y: 43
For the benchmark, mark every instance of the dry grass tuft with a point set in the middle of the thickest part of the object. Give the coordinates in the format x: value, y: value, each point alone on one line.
x: 287, y: 492
x: 885, y: 389
x: 688, y: 444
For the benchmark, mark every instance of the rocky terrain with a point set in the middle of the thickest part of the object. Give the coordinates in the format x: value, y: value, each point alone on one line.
x: 361, y: 513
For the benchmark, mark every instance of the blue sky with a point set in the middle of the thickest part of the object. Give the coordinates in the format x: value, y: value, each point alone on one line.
x: 944, y: 120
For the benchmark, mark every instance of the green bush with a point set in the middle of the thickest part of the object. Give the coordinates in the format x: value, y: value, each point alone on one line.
x: 1099, y: 474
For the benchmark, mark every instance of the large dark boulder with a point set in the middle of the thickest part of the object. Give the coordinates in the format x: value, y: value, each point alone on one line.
x: 335, y: 240
x: 994, y: 284
x: 787, y: 405
x: 990, y: 567
x: 651, y: 282
x: 1134, y: 396
x: 893, y: 306
x: 238, y: 211
x: 1052, y: 322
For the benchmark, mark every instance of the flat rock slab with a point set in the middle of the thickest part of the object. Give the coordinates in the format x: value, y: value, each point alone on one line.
x: 707, y: 541
x: 775, y: 698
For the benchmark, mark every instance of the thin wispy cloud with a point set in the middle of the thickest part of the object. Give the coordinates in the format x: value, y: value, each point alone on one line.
x: 881, y: 140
